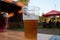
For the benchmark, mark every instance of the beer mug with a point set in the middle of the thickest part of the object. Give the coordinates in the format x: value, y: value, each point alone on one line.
x: 30, y: 19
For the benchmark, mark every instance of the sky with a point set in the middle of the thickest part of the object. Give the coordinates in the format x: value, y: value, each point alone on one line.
x: 45, y: 5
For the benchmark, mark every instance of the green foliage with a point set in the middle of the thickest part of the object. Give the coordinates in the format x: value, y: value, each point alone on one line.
x: 25, y: 2
x: 15, y: 26
x: 41, y: 18
x: 40, y: 25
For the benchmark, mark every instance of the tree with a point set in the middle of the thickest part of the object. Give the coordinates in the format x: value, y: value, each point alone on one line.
x: 25, y: 2
x: 41, y: 18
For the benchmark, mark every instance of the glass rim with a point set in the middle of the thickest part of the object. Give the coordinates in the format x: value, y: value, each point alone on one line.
x: 26, y: 7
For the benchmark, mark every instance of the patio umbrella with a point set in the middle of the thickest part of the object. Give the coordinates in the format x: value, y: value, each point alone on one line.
x: 52, y: 13
x: 9, y: 7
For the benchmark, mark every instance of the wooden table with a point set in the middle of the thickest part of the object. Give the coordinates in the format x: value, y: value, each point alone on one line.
x: 12, y: 35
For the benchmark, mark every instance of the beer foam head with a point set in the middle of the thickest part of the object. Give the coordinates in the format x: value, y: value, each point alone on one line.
x: 30, y: 17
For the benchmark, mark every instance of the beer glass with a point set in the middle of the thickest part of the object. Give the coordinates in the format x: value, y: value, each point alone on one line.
x: 30, y: 19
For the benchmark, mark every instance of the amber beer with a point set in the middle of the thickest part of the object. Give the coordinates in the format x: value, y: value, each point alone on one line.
x: 30, y: 27
x: 30, y: 24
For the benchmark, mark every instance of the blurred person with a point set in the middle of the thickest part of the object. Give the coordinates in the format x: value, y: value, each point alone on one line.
x: 2, y: 22
x: 58, y: 24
